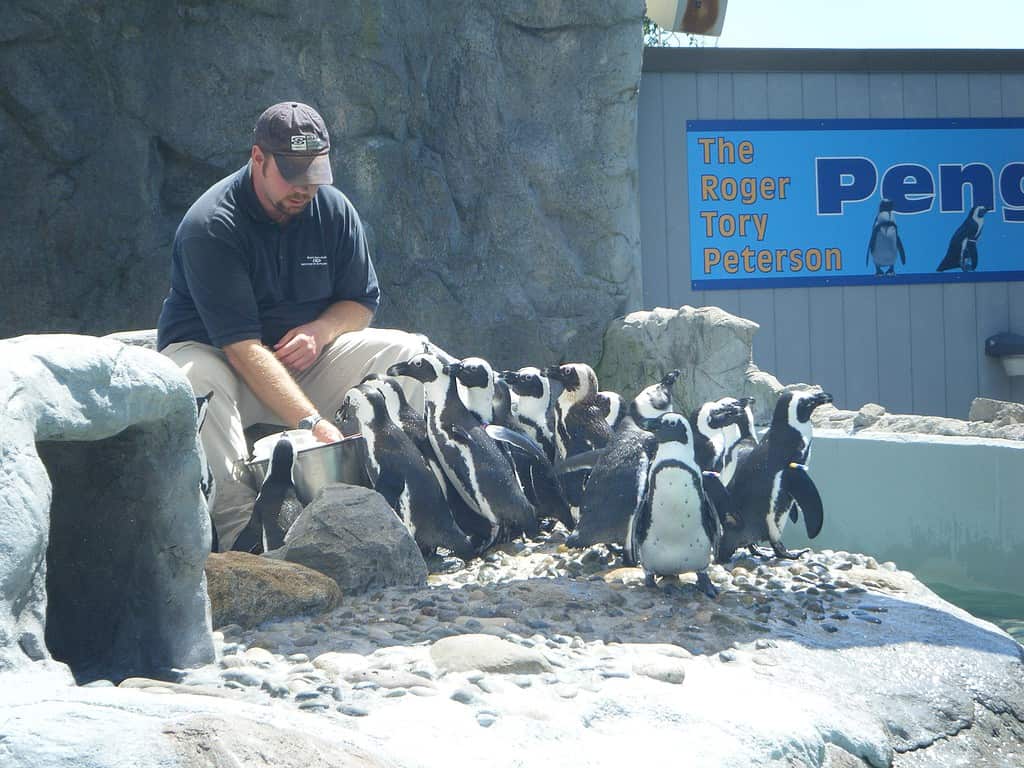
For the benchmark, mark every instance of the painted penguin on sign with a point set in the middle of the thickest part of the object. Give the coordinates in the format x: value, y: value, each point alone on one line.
x: 963, y: 246
x: 885, y: 243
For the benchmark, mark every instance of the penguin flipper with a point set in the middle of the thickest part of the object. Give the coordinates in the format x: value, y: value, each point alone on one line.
x: 585, y: 460
x: 871, y: 243
x: 903, y: 254
x: 718, y: 496
x: 518, y: 439
x: 798, y: 484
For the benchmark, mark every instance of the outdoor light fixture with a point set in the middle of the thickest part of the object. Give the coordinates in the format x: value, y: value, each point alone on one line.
x: 697, y: 17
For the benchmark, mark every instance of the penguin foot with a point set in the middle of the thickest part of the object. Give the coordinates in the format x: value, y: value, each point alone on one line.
x: 785, y: 554
x: 762, y: 552
x: 704, y: 585
x: 438, y: 563
x: 649, y: 579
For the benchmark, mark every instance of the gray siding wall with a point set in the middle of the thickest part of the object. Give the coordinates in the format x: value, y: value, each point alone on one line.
x: 914, y: 349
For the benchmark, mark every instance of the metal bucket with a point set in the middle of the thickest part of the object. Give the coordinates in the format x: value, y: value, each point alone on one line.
x: 341, y: 462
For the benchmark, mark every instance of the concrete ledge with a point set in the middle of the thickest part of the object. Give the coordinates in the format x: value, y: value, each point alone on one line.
x: 947, y: 508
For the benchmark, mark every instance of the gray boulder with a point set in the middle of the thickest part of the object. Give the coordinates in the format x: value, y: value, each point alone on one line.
x: 351, y: 534
x: 712, y: 348
x: 490, y: 149
x: 103, y: 533
x: 996, y: 412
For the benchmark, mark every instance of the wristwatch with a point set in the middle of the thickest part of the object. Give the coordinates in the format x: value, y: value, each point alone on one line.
x: 310, y: 421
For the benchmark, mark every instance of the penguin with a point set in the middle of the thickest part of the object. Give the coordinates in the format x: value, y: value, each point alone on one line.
x: 773, y: 477
x: 740, y: 439
x: 414, y: 425
x: 674, y: 529
x: 276, y: 506
x: 615, y: 487
x: 399, y: 472
x: 885, y: 243
x: 580, y: 422
x: 613, y: 405
x: 963, y: 246
x: 469, y: 456
x: 706, y: 424
x: 476, y: 385
x: 532, y: 406
x: 207, y: 482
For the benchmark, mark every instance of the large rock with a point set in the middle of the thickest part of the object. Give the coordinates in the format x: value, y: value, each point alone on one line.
x: 351, y: 534
x: 489, y: 147
x: 712, y: 348
x: 103, y: 533
x: 248, y: 590
x: 998, y: 412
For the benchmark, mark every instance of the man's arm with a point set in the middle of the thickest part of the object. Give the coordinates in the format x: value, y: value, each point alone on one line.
x: 299, y: 348
x: 275, y: 388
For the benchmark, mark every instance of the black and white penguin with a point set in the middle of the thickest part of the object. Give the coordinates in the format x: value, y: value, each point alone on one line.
x: 962, y: 252
x: 476, y: 386
x: 615, y: 488
x: 415, y: 426
x: 207, y: 482
x: 614, y: 407
x: 706, y: 424
x: 276, y: 507
x: 580, y: 422
x: 532, y: 406
x: 399, y: 472
x: 740, y: 439
x: 469, y: 456
x: 675, y: 529
x: 773, y: 477
x: 885, y: 244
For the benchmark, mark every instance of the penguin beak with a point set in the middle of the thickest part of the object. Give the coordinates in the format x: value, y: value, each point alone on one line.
x: 553, y: 372
x: 399, y: 369
x: 670, y: 378
x: 746, y: 401
x: 821, y: 399
x: 452, y: 369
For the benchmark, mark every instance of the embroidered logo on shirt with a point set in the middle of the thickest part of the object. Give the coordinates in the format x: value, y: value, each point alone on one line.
x: 313, y: 260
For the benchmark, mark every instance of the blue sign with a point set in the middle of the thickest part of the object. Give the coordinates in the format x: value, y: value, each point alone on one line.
x: 778, y: 203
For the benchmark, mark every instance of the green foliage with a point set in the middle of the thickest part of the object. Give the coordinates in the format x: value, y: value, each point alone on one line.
x: 657, y: 37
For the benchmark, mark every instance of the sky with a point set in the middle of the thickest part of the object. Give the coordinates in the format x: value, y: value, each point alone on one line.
x: 871, y: 24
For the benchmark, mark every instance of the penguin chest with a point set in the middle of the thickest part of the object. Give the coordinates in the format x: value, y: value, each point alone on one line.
x: 779, y: 502
x: 676, y: 540
x: 885, y: 250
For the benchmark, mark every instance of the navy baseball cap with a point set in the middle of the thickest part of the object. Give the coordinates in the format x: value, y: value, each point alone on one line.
x: 296, y: 136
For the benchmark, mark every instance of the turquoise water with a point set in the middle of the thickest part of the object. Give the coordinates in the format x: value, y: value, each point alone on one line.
x: 1003, y: 609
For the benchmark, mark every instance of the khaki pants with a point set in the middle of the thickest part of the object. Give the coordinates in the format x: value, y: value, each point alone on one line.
x: 234, y: 407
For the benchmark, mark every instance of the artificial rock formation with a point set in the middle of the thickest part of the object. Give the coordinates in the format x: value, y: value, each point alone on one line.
x: 103, y: 533
x: 712, y: 349
x: 489, y: 147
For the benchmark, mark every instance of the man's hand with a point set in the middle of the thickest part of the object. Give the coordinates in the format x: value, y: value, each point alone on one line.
x: 326, y: 432
x: 299, y: 348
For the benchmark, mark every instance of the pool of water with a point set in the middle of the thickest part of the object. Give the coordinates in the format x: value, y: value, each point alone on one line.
x: 1003, y: 609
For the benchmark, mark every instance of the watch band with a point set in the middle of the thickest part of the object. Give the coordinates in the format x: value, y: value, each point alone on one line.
x: 310, y: 421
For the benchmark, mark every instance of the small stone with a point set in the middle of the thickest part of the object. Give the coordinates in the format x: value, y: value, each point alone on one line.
x: 352, y: 710
x: 464, y: 695
x: 261, y: 657
x: 395, y: 693
x: 727, y: 655
x: 318, y: 705
x: 298, y: 658
x: 242, y: 676
x: 486, y: 719
x: 277, y: 690
x: 233, y: 661
x: 422, y: 690
x: 763, y: 644
x: 829, y: 627
x: 566, y: 691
